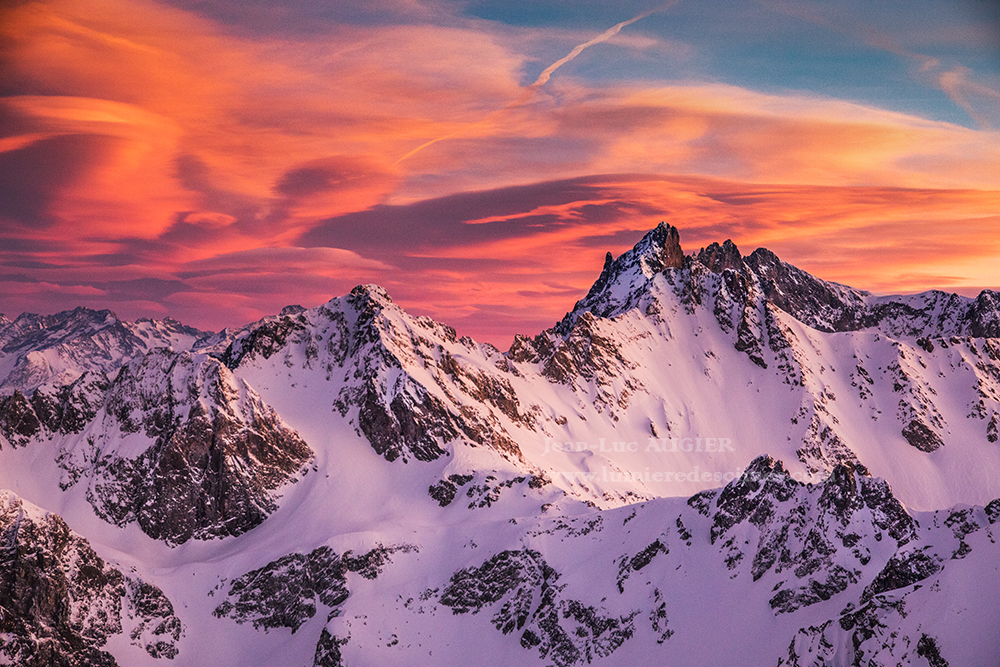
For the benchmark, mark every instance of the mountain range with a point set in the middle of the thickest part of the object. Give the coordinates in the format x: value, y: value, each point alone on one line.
x: 713, y: 459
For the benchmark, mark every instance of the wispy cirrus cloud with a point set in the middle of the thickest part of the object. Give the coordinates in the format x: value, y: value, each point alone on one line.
x: 979, y: 100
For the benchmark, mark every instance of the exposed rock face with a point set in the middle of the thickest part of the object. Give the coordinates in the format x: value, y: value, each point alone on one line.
x: 328, y: 650
x: 402, y: 417
x: 918, y: 434
x: 444, y: 491
x: 664, y: 248
x: 264, y: 340
x: 869, y: 636
x: 564, y: 631
x: 156, y: 627
x: 285, y: 592
x: 52, y: 410
x: 590, y: 358
x: 18, y: 421
x: 59, y: 601
x: 828, y: 306
x: 829, y: 538
x: 413, y: 422
x: 820, y: 304
x: 902, y: 570
x: 624, y: 280
x: 718, y: 258
x: 983, y: 316
x: 823, y: 535
x: 213, y: 457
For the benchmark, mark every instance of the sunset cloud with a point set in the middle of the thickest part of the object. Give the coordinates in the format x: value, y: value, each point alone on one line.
x: 281, y: 260
x: 219, y: 160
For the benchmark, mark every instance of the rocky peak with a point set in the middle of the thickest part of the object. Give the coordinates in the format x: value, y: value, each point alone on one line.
x: 369, y: 294
x: 261, y: 339
x: 411, y: 388
x: 718, y: 258
x: 831, y: 307
x: 603, y: 279
x: 753, y: 495
x: 821, y: 304
x: 173, y: 326
x: 65, y: 409
x: 984, y: 315
x: 751, y: 284
x: 624, y: 279
x: 57, y: 349
x: 657, y: 251
x: 660, y: 249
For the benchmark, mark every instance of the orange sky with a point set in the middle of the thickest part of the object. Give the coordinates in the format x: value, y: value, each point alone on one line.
x: 162, y: 159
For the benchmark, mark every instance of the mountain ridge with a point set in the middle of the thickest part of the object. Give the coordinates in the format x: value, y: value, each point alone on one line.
x: 705, y: 421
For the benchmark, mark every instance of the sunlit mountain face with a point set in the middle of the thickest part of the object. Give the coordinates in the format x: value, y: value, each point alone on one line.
x: 440, y: 332
x: 214, y: 161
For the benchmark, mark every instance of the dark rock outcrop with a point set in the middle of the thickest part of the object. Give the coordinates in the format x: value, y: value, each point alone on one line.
x: 718, y: 258
x: 821, y: 534
x: 264, y: 340
x: 564, y: 631
x: 217, y: 455
x: 60, y: 602
x: 444, y: 491
x: 921, y: 436
x: 286, y: 592
x: 49, y: 411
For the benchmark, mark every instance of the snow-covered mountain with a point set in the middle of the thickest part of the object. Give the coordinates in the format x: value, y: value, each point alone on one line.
x: 55, y: 349
x: 711, y: 459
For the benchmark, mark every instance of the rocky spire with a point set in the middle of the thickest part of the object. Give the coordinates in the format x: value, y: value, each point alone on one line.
x: 718, y: 258
x: 660, y: 249
x: 605, y: 276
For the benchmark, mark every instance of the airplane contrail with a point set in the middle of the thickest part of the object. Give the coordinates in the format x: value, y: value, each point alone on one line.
x: 603, y: 37
x: 544, y: 77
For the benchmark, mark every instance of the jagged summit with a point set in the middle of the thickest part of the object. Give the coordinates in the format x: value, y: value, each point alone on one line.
x: 718, y: 258
x: 660, y: 249
x: 821, y: 304
x: 31, y: 329
x: 622, y: 280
